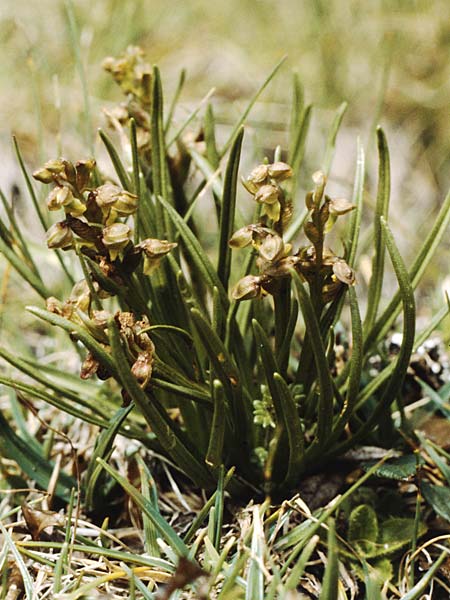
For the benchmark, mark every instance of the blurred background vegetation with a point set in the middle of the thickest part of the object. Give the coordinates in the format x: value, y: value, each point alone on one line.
x: 389, y: 59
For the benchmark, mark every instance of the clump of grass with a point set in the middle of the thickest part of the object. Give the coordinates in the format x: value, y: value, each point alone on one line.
x: 222, y: 361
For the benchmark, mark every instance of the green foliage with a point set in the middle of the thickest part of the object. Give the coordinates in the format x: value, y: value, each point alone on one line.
x: 246, y: 354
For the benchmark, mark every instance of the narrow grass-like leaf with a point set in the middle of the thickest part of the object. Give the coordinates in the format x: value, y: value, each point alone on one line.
x: 189, y: 119
x: 32, y: 462
x: 419, y: 267
x: 381, y: 210
x: 210, y: 137
x: 330, y: 583
x: 17, y: 234
x: 218, y: 505
x: 203, y: 512
x: 297, y: 151
x: 150, y: 493
x: 95, y: 416
x: 176, y: 97
x: 218, y: 354
x: 298, y: 102
x: 325, y: 409
x: 28, y: 584
x: 24, y: 270
x: 401, y: 365
x: 356, y: 364
x: 160, y: 424
x: 79, y: 332
x: 162, y: 526
x: 299, y: 567
x: 270, y: 366
x: 249, y: 106
x: 29, y: 185
x: 159, y: 169
x: 37, y: 208
x: 117, y: 163
x: 214, y: 456
x: 75, y: 42
x: 103, y: 449
x: 135, y: 160
x: 293, y: 429
x: 420, y: 587
x: 212, y: 178
x: 331, y: 141
x: 195, y: 252
x: 228, y: 207
x: 255, y: 578
x: 285, y: 348
x: 357, y: 201
x: 92, y: 548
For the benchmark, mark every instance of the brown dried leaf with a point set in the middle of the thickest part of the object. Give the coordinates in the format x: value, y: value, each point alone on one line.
x: 186, y: 573
x: 38, y: 520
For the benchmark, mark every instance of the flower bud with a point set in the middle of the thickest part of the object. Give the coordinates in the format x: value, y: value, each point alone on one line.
x: 59, y: 236
x: 59, y: 196
x: 343, y: 272
x: 125, y: 204
x: 56, y: 166
x: 241, y: 238
x: 267, y: 194
x: 154, y: 250
x: 248, y: 287
x: 279, y: 171
x: 105, y: 195
x: 272, y: 248
x: 340, y: 206
x: 115, y: 238
x: 259, y: 174
x: 80, y: 296
x: 83, y: 170
x: 142, y: 368
x: 43, y: 175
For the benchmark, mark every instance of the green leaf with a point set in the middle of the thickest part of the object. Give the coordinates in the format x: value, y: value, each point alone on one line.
x: 214, y: 456
x: 23, y: 269
x: 176, y: 97
x: 363, y: 528
x: 155, y: 415
x: 401, y: 365
x: 325, y: 408
x: 255, y: 576
x: 29, y: 185
x: 228, y: 208
x: 438, y: 497
x: 330, y: 583
x: 249, y: 106
x: 400, y: 468
x: 331, y: 141
x: 395, y: 534
x: 161, y: 525
x: 32, y: 462
x: 117, y: 163
x: 195, y: 253
x: 381, y: 211
x: 27, y: 580
x: 419, y: 267
x: 357, y: 200
x: 103, y: 448
x: 210, y: 137
x: 293, y: 428
x: 299, y: 567
x: 420, y: 587
x: 80, y: 333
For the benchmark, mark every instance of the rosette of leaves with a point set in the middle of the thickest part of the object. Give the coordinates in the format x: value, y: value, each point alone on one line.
x: 196, y: 363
